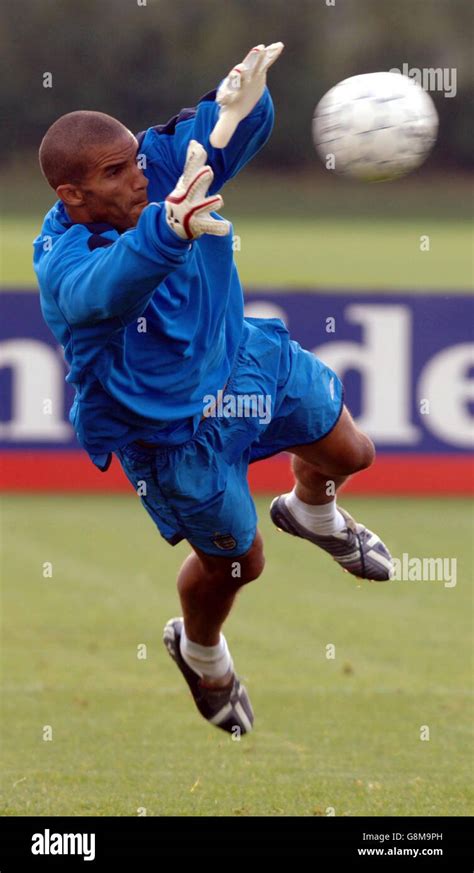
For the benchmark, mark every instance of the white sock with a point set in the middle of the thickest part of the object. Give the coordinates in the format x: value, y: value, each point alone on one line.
x: 324, y: 518
x: 213, y: 662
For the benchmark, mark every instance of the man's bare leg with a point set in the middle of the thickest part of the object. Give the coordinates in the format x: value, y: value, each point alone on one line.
x: 310, y: 511
x: 321, y: 468
x: 207, y: 588
x: 346, y: 450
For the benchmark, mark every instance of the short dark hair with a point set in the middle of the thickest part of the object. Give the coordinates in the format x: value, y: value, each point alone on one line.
x: 64, y: 150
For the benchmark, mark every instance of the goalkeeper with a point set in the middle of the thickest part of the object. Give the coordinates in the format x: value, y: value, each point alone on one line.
x: 138, y: 285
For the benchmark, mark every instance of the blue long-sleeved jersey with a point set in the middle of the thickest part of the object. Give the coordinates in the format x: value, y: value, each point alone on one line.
x: 149, y: 323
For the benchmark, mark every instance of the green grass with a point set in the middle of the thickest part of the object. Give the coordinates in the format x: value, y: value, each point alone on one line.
x: 340, y: 733
x: 360, y: 254
x: 308, y: 230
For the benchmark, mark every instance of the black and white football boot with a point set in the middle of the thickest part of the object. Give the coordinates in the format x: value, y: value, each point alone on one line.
x: 356, y: 548
x: 227, y: 708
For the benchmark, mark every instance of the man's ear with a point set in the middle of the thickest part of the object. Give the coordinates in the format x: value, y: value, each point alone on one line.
x: 70, y: 195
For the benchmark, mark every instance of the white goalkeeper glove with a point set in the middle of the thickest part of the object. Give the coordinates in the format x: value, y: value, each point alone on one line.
x: 188, y: 207
x: 241, y: 90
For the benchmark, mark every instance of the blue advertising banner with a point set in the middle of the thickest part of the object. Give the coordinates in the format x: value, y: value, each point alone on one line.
x: 407, y: 362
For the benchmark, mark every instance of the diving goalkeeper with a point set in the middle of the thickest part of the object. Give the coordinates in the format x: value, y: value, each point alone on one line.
x: 139, y: 286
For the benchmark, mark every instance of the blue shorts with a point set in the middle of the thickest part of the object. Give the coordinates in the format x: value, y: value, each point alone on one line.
x: 278, y: 395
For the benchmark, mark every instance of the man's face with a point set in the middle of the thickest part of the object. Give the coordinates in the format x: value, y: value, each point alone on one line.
x: 114, y: 189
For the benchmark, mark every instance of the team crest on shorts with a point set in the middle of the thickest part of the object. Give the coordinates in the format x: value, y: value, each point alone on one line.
x: 224, y: 541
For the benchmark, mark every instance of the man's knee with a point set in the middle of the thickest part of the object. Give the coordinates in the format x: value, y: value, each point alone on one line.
x: 360, y: 454
x: 353, y: 454
x: 238, y: 571
x: 344, y: 451
x: 250, y: 566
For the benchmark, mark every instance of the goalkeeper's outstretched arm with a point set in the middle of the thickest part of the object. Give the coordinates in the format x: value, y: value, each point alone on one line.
x: 232, y: 124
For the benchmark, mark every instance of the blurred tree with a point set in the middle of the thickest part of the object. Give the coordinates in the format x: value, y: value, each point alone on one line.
x: 144, y: 62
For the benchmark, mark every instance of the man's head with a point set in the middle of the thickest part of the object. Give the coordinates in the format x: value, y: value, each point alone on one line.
x: 89, y: 158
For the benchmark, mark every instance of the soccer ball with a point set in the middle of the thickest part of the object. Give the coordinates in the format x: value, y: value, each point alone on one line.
x: 375, y: 127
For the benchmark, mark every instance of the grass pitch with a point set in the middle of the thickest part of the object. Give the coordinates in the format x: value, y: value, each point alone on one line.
x: 342, y: 733
x: 360, y: 254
